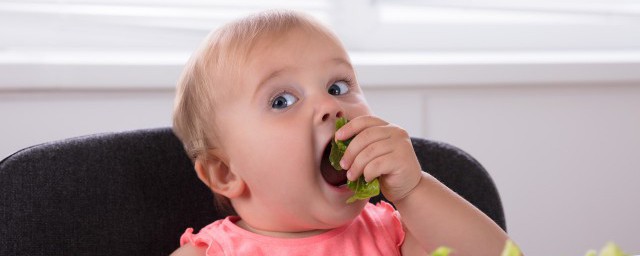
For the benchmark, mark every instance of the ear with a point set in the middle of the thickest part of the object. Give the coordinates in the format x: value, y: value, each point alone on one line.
x: 214, y: 171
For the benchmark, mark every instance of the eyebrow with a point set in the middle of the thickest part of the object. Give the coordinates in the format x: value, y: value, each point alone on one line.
x: 272, y: 75
x: 276, y: 73
x: 266, y: 79
x: 340, y: 60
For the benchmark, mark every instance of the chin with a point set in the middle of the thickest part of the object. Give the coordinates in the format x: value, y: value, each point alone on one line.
x: 343, y: 216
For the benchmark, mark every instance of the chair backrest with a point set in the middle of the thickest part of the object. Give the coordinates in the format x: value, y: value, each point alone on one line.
x: 134, y: 193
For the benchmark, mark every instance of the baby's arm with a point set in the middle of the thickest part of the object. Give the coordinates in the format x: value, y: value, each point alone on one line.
x: 435, y: 216
x: 432, y: 214
x: 190, y: 250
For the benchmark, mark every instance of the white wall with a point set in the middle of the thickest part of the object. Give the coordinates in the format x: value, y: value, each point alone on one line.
x: 566, y: 159
x: 565, y: 156
x: 35, y: 117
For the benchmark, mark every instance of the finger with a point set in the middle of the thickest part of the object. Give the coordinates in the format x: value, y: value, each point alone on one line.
x: 376, y: 167
x: 356, y: 125
x: 370, y: 153
x: 361, y: 141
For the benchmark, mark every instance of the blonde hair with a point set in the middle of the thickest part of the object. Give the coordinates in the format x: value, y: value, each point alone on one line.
x: 216, y: 66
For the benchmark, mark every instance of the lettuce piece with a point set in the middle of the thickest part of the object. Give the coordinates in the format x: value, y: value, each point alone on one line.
x: 591, y: 253
x: 441, y: 251
x: 362, y: 190
x: 338, y: 147
x: 510, y: 249
x: 611, y: 249
x: 337, y: 151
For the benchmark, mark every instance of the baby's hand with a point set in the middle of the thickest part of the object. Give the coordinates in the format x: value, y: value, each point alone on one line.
x: 380, y: 150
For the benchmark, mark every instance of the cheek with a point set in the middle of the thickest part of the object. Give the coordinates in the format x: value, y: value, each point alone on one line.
x: 271, y: 157
x: 359, y: 108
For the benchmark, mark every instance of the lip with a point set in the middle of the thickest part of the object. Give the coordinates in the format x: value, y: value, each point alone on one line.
x: 342, y: 189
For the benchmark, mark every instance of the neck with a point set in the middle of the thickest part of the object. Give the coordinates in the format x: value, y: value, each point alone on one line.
x: 279, y: 234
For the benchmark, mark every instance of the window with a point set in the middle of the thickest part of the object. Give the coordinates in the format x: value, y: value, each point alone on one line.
x: 450, y: 25
x: 494, y: 25
x: 125, y: 24
x: 151, y: 33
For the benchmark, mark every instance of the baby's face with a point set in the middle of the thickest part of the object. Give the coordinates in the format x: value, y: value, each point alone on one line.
x: 276, y: 125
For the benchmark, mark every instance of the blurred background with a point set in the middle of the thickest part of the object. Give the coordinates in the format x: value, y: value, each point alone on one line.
x: 545, y: 94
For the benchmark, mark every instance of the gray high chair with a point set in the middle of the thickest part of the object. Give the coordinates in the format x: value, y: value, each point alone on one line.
x: 135, y: 193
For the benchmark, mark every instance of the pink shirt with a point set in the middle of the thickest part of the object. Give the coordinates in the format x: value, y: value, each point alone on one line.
x: 376, y: 231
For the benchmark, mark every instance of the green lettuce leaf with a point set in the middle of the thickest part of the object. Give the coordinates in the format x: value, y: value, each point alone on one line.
x: 610, y: 249
x: 510, y: 249
x: 441, y: 251
x: 362, y: 190
x: 591, y: 253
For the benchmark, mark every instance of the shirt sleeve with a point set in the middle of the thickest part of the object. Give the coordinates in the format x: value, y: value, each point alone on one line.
x: 391, y: 222
x: 200, y: 239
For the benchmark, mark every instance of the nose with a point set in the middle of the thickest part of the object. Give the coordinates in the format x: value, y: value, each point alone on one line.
x: 326, y: 116
x: 329, y: 110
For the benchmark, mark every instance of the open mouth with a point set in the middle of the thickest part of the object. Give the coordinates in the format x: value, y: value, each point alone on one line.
x: 332, y: 176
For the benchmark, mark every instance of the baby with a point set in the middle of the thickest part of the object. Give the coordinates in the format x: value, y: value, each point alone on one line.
x: 256, y: 108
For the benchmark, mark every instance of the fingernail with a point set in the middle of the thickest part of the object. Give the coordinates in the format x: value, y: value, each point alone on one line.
x: 343, y: 164
x: 338, y: 135
x: 349, y: 175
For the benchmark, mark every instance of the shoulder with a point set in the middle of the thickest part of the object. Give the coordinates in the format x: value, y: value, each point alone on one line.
x: 205, y: 242
x: 391, y: 222
x: 382, y: 212
x: 190, y: 250
x: 386, y: 219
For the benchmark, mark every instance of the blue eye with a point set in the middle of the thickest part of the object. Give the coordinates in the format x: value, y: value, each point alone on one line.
x: 338, y: 88
x: 283, y: 100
